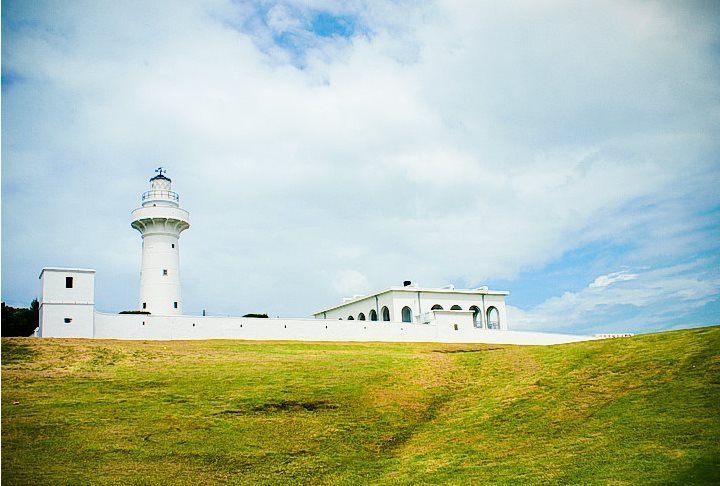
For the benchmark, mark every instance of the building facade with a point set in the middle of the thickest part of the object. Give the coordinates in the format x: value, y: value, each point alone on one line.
x: 67, y: 302
x: 419, y: 305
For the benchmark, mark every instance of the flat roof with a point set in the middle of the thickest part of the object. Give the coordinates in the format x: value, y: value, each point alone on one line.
x: 415, y: 289
x: 64, y: 269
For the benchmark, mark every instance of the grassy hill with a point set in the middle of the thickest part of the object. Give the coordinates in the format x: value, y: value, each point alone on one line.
x: 634, y: 410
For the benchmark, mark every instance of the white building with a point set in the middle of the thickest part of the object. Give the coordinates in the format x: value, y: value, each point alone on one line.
x: 67, y: 302
x: 399, y: 314
x: 483, y: 308
x: 160, y: 222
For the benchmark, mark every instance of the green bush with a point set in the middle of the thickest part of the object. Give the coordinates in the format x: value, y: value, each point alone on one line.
x: 21, y: 321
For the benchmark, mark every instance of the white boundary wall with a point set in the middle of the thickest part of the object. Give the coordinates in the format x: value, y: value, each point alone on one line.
x: 69, y: 311
x: 137, y: 326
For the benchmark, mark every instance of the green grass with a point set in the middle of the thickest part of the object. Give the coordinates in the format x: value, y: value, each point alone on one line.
x: 626, y: 411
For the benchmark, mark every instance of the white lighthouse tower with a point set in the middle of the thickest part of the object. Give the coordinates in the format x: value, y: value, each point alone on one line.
x: 160, y: 221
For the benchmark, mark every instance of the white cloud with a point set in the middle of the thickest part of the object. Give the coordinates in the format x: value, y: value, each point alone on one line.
x: 606, y: 280
x: 280, y: 20
x: 351, y: 282
x: 647, y: 300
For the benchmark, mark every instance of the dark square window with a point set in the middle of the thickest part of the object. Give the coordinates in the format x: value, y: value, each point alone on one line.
x: 144, y: 305
x: 175, y: 304
x: 164, y: 272
x: 68, y: 282
x: 173, y: 245
x: 68, y: 320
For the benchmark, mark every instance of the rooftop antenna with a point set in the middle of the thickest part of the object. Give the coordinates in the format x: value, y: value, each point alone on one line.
x: 160, y: 170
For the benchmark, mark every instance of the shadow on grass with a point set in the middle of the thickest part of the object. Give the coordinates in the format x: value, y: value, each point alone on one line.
x: 453, y: 351
x: 281, y: 406
x: 706, y: 470
x: 16, y: 352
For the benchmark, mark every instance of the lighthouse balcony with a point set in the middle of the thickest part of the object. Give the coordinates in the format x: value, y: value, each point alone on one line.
x: 161, y: 195
x: 145, y: 216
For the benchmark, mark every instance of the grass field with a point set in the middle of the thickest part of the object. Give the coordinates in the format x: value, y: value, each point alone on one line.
x: 626, y: 411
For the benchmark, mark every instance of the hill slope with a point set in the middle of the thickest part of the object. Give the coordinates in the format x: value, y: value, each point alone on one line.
x: 634, y: 410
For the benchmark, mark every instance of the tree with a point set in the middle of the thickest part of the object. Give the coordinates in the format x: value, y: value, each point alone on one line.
x: 20, y: 321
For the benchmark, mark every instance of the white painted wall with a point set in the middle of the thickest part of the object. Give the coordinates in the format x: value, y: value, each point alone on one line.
x: 58, y: 303
x: 364, y: 305
x: 53, y: 285
x: 54, y: 317
x: 160, y: 272
x: 397, y: 298
x: 160, y: 222
x: 112, y: 326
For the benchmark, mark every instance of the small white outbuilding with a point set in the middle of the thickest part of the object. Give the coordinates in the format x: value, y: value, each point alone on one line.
x: 67, y: 302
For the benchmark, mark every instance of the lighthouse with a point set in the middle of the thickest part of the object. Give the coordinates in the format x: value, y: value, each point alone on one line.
x: 160, y: 221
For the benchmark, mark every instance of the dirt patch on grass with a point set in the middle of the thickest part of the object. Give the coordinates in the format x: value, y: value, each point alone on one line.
x: 281, y: 406
x: 473, y: 350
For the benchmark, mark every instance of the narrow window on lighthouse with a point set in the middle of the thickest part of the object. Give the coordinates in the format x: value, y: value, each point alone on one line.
x: 68, y: 282
x: 144, y: 305
x: 173, y: 245
x: 175, y: 304
x: 164, y: 272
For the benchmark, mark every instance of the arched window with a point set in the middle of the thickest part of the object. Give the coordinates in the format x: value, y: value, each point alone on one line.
x: 456, y: 307
x: 385, y: 314
x: 493, y: 318
x: 361, y: 317
x: 436, y: 307
x: 373, y: 315
x: 477, y: 316
x: 351, y: 318
x: 406, y: 314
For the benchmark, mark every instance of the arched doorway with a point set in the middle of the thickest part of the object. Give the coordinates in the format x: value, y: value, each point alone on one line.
x: 493, y: 318
x: 361, y: 317
x: 373, y: 315
x: 477, y: 316
x: 385, y: 314
x: 456, y: 307
x: 406, y: 314
x: 436, y: 307
x: 351, y: 318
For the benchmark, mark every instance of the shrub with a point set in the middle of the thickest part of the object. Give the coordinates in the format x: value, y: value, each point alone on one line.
x: 21, y: 321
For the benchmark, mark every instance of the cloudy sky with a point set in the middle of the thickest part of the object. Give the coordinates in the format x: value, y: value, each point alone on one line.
x: 566, y: 151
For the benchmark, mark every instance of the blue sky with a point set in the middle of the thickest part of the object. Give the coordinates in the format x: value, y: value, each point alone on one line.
x: 566, y: 152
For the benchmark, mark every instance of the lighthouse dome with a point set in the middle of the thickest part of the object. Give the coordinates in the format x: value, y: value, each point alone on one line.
x: 160, y: 193
x: 161, y: 182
